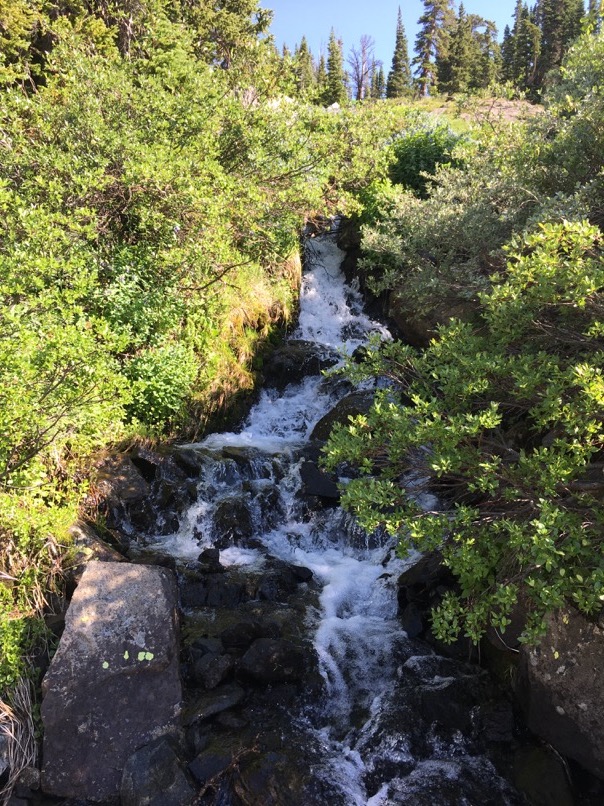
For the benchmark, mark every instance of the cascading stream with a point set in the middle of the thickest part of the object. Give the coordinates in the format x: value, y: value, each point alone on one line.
x: 360, y: 645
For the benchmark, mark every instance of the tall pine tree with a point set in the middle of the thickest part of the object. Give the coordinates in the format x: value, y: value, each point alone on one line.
x: 431, y: 42
x: 507, y: 55
x: 305, y: 71
x: 560, y: 24
x: 399, y: 77
x: 335, y: 88
x: 321, y: 79
x: 454, y: 69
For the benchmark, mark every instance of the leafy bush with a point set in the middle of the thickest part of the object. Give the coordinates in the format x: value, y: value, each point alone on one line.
x: 162, y: 381
x: 508, y: 419
x: 418, y: 151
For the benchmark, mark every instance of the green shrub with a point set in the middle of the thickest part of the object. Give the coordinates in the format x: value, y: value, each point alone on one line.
x: 162, y: 382
x: 508, y: 420
x: 418, y: 151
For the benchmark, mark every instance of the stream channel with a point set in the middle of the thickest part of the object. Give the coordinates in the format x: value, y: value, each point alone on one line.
x: 352, y: 711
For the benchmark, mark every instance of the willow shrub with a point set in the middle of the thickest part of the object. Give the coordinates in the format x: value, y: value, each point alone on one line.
x: 507, y: 421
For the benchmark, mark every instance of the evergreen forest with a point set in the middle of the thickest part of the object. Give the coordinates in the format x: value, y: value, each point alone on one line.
x: 158, y: 161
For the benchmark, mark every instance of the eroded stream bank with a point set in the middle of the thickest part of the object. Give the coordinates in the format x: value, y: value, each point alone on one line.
x: 300, y: 684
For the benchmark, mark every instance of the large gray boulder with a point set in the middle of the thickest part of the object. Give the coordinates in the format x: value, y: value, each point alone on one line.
x: 561, y: 687
x: 114, y: 682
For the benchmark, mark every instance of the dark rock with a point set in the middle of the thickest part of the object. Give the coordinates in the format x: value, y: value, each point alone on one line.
x: 210, y: 670
x: 229, y: 720
x: 241, y: 635
x: 453, y: 781
x: 155, y: 776
x: 209, y: 559
x: 271, y: 661
x: 191, y: 462
x: 412, y: 620
x: 208, y: 705
x: 540, y: 774
x: 276, y: 778
x: 278, y: 583
x: 418, y: 329
x: 302, y: 573
x: 232, y: 524
x: 350, y: 406
x: 208, y: 765
x: 113, y: 683
x: 202, y: 646
x: 497, y: 721
x: 561, y: 688
x: 213, y: 590
x: 295, y: 360
x: 126, y: 495
x: 317, y: 482
x: 147, y: 556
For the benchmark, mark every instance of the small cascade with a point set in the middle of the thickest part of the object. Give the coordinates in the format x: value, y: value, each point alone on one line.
x: 365, y: 731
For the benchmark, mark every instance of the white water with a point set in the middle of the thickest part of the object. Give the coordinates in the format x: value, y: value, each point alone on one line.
x: 355, y: 624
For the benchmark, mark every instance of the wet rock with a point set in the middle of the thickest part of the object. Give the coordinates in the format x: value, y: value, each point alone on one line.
x: 350, y: 406
x: 209, y: 765
x: 278, y: 583
x: 302, y: 573
x: 412, y: 620
x: 113, y: 683
x: 561, y: 688
x: 209, y: 560
x: 275, y: 778
x: 126, y: 495
x: 232, y: 524
x: 271, y: 508
x: 540, y: 774
x: 497, y: 721
x: 317, y: 482
x: 155, y: 776
x: 213, y: 590
x: 202, y: 646
x: 460, y: 780
x: 190, y: 461
x: 147, y: 556
x: 208, y: 705
x: 271, y: 660
x: 295, y: 360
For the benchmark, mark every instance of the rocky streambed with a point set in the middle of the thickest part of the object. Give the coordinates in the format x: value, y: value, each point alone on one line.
x: 237, y: 639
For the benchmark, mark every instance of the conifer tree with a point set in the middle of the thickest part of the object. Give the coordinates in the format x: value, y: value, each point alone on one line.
x: 526, y: 46
x: 455, y: 69
x: 399, y: 77
x: 507, y: 55
x: 335, y: 89
x: 378, y: 82
x: 431, y: 42
x: 305, y: 73
x: 321, y: 78
x: 560, y: 24
x: 486, y: 61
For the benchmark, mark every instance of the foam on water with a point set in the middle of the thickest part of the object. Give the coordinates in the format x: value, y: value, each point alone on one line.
x: 355, y: 621
x: 331, y: 313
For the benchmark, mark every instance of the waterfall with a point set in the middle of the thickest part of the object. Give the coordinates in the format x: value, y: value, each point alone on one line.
x: 371, y: 672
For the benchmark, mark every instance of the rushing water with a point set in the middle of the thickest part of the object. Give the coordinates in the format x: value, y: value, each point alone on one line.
x: 363, y: 653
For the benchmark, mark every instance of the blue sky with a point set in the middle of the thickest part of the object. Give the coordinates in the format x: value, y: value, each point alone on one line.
x: 352, y: 18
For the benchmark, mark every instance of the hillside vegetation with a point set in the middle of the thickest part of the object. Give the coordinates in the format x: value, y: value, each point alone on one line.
x: 153, y: 184
x: 503, y: 410
x: 154, y: 178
